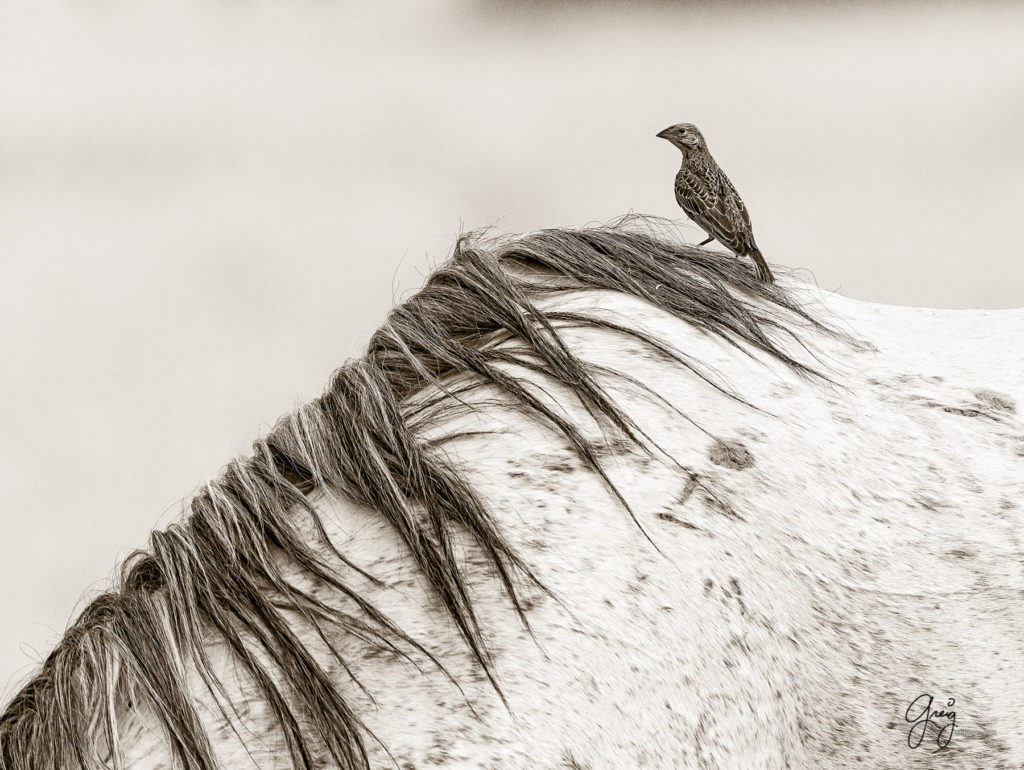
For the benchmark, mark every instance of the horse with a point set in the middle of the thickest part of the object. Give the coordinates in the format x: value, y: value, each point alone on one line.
x: 591, y: 498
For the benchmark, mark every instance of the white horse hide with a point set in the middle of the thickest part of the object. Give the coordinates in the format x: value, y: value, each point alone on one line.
x: 805, y: 567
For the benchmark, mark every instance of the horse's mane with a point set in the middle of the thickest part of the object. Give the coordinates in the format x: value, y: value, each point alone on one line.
x: 477, y: 323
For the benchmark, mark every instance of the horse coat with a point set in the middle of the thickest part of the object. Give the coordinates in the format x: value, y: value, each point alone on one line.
x: 590, y: 499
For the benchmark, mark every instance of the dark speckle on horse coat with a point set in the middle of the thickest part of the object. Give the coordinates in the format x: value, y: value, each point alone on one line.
x: 731, y: 454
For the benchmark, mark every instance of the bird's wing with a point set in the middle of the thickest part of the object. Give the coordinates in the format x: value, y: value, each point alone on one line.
x: 707, y: 196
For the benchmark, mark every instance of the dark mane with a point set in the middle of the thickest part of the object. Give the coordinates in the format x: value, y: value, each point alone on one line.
x: 477, y: 320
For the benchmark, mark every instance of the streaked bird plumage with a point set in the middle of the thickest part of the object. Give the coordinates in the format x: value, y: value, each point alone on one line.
x: 707, y: 196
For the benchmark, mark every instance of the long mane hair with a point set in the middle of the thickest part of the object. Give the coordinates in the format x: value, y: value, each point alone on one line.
x: 480, y: 322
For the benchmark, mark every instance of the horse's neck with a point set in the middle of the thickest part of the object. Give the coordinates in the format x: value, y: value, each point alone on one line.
x: 808, y: 558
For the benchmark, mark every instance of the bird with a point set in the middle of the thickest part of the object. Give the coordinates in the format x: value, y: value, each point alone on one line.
x: 707, y: 196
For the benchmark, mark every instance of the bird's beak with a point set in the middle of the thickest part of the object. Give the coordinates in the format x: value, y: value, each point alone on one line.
x: 662, y: 134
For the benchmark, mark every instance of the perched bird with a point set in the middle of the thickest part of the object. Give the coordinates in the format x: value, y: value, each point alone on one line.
x: 707, y: 196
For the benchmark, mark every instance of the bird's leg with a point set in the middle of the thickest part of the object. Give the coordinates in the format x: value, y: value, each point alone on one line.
x: 706, y: 240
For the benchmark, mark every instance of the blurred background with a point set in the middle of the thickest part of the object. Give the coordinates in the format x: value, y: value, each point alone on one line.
x: 206, y: 207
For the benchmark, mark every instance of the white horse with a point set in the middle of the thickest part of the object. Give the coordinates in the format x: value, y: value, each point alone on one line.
x: 590, y: 499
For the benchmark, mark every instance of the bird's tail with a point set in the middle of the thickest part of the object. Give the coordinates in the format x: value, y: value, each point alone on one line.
x: 763, y: 273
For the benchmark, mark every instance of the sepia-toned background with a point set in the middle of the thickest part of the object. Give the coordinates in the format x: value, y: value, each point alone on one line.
x: 207, y: 206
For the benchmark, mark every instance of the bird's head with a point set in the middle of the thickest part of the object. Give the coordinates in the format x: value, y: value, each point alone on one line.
x: 685, y: 136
